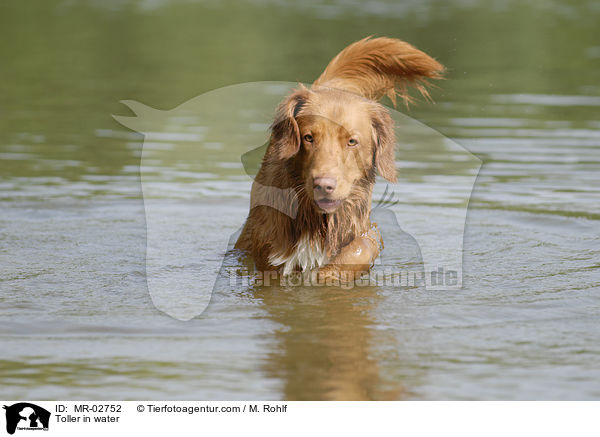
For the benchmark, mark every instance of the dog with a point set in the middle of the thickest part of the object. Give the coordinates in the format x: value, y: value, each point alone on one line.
x: 311, y: 199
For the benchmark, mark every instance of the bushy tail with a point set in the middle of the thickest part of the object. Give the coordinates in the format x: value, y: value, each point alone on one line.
x: 374, y: 67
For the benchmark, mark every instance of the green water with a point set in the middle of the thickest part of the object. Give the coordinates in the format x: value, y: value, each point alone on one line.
x: 76, y: 318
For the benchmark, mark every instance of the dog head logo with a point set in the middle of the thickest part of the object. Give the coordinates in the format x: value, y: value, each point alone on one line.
x: 190, y: 162
x: 26, y: 416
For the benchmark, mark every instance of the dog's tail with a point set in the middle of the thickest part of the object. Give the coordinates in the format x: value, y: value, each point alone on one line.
x: 374, y: 67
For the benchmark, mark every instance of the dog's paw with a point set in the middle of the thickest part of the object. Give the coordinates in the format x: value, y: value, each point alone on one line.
x: 335, y: 275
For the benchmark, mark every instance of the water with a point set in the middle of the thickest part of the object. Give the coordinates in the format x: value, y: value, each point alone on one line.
x: 76, y: 316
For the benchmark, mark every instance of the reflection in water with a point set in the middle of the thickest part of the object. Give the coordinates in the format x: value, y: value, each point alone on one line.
x: 325, y: 345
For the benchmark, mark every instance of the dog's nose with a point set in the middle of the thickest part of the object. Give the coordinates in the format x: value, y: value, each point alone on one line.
x: 325, y: 185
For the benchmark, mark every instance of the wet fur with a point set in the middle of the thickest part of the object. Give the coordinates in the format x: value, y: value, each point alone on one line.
x: 283, y: 214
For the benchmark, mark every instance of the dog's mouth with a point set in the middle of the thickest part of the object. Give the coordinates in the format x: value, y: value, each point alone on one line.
x: 328, y: 205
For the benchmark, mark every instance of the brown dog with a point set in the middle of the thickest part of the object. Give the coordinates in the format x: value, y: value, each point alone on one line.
x: 311, y: 199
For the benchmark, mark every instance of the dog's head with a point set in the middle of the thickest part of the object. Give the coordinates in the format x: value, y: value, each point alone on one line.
x: 336, y: 139
x: 335, y: 136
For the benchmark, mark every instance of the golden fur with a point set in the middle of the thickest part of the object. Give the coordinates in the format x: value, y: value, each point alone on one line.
x: 334, y: 132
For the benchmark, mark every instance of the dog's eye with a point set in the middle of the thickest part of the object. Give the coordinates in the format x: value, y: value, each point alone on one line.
x: 308, y: 138
x: 352, y: 142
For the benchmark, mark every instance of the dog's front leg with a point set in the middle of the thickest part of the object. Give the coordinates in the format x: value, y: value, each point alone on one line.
x: 354, y: 259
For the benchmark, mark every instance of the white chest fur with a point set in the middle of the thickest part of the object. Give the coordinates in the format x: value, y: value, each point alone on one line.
x: 307, y: 255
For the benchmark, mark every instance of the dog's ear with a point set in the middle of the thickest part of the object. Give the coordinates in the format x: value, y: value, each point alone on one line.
x: 374, y: 67
x: 384, y: 141
x: 285, y: 133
